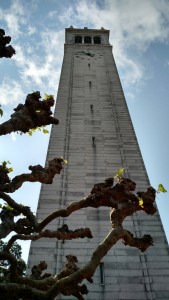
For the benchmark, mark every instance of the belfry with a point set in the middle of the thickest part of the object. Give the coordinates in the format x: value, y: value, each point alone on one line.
x: 96, y: 136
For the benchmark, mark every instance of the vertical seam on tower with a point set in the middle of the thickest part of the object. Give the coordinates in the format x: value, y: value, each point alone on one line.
x: 115, y: 120
x: 124, y: 164
x: 65, y: 169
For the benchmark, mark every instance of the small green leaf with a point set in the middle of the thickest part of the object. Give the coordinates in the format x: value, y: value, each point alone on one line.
x: 45, y: 131
x: 8, y: 207
x: 64, y: 160
x: 161, y: 189
x: 38, y: 111
x: 119, y: 173
x: 46, y: 96
x: 30, y: 132
x: 4, y: 166
x: 4, y: 163
x: 141, y: 202
x: 10, y: 170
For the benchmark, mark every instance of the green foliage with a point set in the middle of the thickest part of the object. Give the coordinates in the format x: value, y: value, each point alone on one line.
x: 4, y: 166
x: 64, y: 160
x: 7, y: 206
x: 119, y: 173
x: 46, y: 96
x: 15, y: 249
x: 4, y: 264
x: 141, y: 202
x: 45, y: 131
x: 1, y: 111
x: 31, y: 131
x: 161, y: 189
x: 42, y: 128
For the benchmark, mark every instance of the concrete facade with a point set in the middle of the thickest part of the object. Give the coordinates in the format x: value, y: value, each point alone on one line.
x: 96, y: 136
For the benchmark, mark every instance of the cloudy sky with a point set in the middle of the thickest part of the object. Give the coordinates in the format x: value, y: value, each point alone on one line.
x: 139, y: 33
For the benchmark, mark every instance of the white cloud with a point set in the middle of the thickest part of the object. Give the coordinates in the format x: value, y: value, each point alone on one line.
x: 132, y: 25
x: 133, y: 70
x: 14, y: 17
x: 31, y: 30
x: 42, y: 70
x: 38, y: 65
x: 20, y: 57
x: 67, y: 15
x: 11, y: 92
x: 129, y: 21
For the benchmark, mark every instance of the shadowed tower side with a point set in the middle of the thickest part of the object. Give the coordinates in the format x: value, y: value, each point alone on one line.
x: 97, y: 138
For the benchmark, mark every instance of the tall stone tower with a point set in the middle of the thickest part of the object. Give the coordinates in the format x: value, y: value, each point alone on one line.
x: 96, y: 136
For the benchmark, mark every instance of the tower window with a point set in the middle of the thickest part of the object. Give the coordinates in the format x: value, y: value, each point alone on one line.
x: 102, y: 281
x: 97, y: 40
x: 78, y: 39
x: 87, y: 39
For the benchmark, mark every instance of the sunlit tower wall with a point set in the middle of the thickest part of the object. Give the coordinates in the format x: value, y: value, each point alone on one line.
x: 96, y: 136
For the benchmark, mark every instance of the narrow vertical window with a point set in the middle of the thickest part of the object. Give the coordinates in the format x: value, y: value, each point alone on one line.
x: 78, y: 39
x: 87, y: 39
x: 102, y: 281
x: 97, y: 40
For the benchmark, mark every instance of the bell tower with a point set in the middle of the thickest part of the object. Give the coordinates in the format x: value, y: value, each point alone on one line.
x: 96, y: 136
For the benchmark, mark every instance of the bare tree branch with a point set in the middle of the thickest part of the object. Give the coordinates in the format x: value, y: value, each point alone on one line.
x: 119, y: 195
x: 62, y: 234
x: 34, y: 113
x: 140, y: 243
x: 39, y: 174
x: 13, y: 262
x: 64, y: 283
x: 24, y: 225
x: 123, y: 203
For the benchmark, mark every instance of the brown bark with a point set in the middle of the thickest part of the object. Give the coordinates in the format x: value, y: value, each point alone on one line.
x: 38, y: 174
x: 60, y: 235
x: 34, y: 113
x: 123, y: 203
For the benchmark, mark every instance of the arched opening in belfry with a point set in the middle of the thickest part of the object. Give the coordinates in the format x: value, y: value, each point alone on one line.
x: 97, y: 40
x: 87, y: 39
x: 78, y: 39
